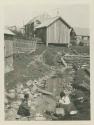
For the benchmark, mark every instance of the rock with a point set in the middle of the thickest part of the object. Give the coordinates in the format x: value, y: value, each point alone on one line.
x: 19, y: 87
x: 35, y: 95
x: 21, y: 96
x: 44, y: 92
x: 21, y: 92
x: 11, y: 95
x: 39, y: 94
x: 43, y: 82
x: 26, y: 90
x: 18, y: 102
x: 40, y: 117
x: 35, y: 82
x: 15, y: 105
x: 18, y: 116
x: 29, y: 83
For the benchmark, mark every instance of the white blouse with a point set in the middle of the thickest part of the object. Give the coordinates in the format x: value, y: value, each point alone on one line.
x: 64, y: 100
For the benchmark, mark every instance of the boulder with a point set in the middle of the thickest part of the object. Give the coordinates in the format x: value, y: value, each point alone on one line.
x: 11, y: 95
x: 40, y: 117
x: 19, y: 87
x: 29, y: 83
x: 26, y: 90
x: 34, y: 88
x: 21, y: 96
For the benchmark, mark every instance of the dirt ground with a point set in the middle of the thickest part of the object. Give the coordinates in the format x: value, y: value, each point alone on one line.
x: 41, y: 65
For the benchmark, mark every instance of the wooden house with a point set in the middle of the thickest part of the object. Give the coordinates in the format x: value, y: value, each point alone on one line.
x: 8, y: 50
x: 54, y: 31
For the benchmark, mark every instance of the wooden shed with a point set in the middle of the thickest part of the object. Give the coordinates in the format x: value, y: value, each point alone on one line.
x: 54, y: 31
x: 8, y: 50
x: 82, y: 35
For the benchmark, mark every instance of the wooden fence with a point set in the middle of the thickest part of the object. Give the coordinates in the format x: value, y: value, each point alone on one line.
x: 22, y: 46
x: 80, y: 59
x: 8, y: 55
x: 77, y: 57
x: 8, y: 48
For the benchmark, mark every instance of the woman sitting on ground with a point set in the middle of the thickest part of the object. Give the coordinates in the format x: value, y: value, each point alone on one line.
x: 66, y: 103
x: 24, y: 109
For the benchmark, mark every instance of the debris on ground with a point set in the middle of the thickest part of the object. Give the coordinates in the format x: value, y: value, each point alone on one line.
x: 43, y: 79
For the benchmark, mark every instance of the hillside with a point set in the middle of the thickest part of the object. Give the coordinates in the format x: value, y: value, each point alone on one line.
x: 44, y: 66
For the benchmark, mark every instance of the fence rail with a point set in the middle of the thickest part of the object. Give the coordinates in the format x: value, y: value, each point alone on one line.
x: 25, y: 46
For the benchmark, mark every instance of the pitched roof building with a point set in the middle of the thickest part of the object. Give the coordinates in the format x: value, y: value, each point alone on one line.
x: 54, y: 31
x: 51, y: 21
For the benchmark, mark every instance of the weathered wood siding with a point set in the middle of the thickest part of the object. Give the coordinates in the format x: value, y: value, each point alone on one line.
x: 58, y: 33
x: 8, y: 54
x: 8, y: 64
x: 22, y: 46
x: 8, y: 48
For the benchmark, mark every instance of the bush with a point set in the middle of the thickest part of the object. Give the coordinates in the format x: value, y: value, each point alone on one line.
x: 49, y: 57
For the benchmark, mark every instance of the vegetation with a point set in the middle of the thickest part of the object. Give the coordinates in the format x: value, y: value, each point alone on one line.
x: 28, y: 67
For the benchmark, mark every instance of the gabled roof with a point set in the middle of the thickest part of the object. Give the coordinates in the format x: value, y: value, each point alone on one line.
x: 7, y: 31
x: 82, y: 31
x: 50, y: 21
x: 41, y: 18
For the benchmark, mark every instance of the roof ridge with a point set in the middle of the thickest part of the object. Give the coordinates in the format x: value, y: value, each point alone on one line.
x: 34, y: 18
x: 51, y: 20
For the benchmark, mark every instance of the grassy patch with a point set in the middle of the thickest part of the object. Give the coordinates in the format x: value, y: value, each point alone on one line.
x: 22, y: 73
x: 81, y: 49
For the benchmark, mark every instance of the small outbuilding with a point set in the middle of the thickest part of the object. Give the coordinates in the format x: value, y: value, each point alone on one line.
x: 54, y: 31
x: 82, y: 35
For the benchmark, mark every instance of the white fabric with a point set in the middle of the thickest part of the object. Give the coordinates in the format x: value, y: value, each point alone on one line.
x: 64, y: 100
x: 73, y: 112
x: 60, y: 111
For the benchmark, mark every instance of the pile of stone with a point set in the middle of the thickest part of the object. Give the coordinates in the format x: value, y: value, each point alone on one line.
x: 34, y: 88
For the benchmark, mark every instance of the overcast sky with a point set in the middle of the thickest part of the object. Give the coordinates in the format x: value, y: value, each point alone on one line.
x: 77, y: 15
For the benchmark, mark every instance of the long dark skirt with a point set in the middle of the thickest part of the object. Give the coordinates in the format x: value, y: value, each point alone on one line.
x: 23, y: 110
x: 68, y: 107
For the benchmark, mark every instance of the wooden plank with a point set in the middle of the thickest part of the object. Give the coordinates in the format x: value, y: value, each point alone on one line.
x: 23, y: 47
x: 8, y: 48
x: 44, y: 91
